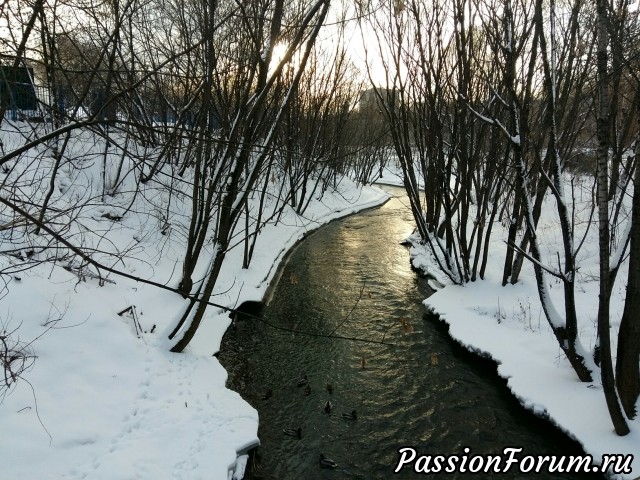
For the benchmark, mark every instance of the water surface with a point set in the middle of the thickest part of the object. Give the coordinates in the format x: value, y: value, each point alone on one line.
x: 352, y: 279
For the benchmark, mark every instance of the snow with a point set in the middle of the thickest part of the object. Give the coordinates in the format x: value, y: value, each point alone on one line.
x: 507, y: 324
x: 103, y: 400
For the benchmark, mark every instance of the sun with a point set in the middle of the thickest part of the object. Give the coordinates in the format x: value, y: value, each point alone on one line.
x: 278, y: 53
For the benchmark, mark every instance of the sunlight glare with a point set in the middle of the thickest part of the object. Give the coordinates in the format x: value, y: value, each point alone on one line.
x: 278, y: 54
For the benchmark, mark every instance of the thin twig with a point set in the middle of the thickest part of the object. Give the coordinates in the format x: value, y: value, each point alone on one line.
x: 540, y: 264
x: 35, y: 403
x: 315, y: 334
x: 350, y: 311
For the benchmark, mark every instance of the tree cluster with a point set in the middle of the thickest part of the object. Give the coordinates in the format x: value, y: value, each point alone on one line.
x: 216, y: 115
x: 494, y: 105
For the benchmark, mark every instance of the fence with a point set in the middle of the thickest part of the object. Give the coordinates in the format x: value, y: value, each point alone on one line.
x: 36, y: 103
x: 22, y: 101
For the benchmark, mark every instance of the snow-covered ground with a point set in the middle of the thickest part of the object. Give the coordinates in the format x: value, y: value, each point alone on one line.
x: 507, y: 324
x: 104, y: 398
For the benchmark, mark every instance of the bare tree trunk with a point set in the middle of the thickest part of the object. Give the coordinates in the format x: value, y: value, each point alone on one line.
x: 556, y: 184
x: 627, y: 363
x: 606, y: 365
x: 243, y: 176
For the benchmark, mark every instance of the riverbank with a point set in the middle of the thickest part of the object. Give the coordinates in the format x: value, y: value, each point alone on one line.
x: 507, y: 325
x: 102, y: 398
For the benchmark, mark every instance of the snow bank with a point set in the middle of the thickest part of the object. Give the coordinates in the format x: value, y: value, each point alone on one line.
x: 507, y: 324
x: 104, y: 398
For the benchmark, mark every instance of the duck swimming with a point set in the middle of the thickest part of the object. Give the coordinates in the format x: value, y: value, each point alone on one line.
x: 303, y: 381
x: 350, y: 416
x: 293, y: 432
x: 307, y: 390
x: 328, y: 407
x: 327, y: 462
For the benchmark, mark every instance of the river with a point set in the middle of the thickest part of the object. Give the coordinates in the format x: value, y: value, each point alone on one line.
x: 352, y: 280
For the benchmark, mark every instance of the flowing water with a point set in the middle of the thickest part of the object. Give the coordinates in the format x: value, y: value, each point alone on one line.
x: 352, y: 280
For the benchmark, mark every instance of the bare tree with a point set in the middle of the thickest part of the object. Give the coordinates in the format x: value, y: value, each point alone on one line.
x: 440, y: 101
x: 606, y: 365
x: 429, y: 78
x: 242, y: 168
x: 192, y: 112
x: 628, y: 354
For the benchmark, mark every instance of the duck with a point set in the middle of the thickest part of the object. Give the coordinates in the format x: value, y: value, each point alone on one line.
x: 267, y: 395
x: 293, y: 432
x: 307, y: 390
x: 327, y: 462
x: 329, y: 388
x: 303, y: 381
x: 328, y: 407
x: 350, y: 416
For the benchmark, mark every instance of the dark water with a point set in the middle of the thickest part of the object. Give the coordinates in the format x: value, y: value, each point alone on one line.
x: 353, y: 279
